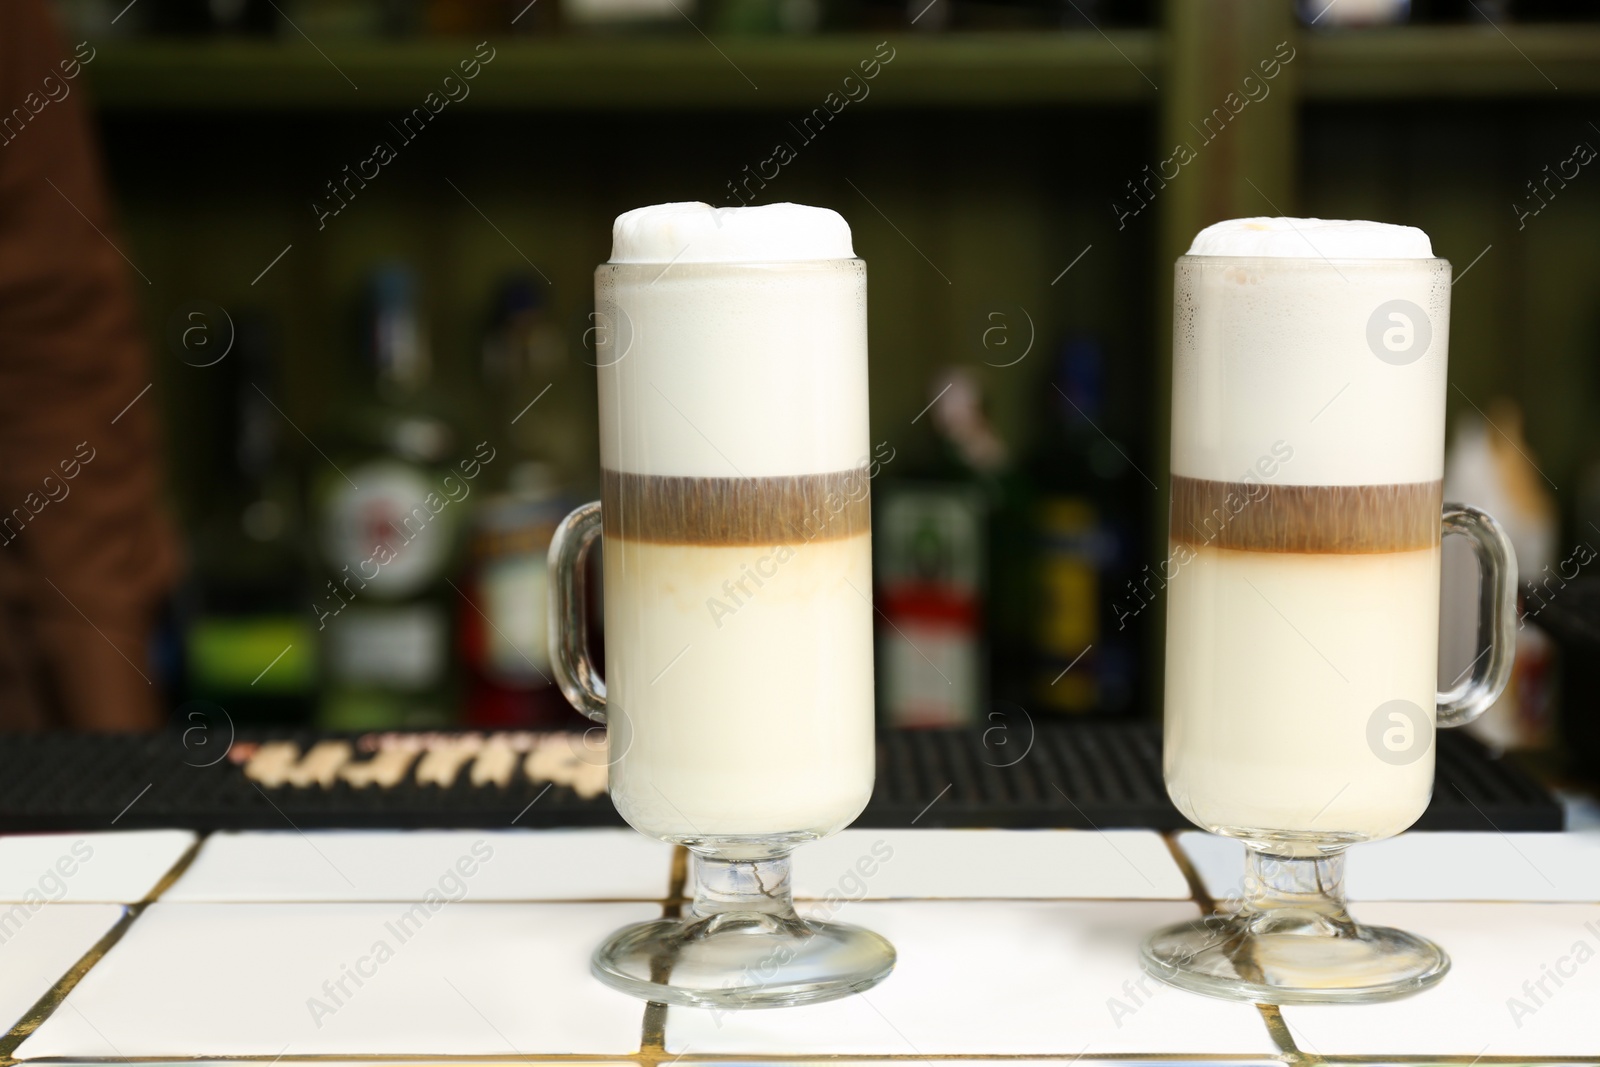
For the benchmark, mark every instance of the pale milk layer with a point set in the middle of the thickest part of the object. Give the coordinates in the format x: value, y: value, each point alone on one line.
x: 728, y: 371
x: 739, y: 686
x: 1270, y: 351
x: 1276, y: 663
x: 1311, y: 239
x: 700, y: 233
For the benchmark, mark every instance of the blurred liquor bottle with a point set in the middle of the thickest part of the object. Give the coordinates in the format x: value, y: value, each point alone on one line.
x: 1335, y: 14
x: 1490, y: 465
x: 1085, y: 518
x: 1332, y: 14
x: 932, y: 521
x: 388, y: 518
x: 931, y: 16
x: 96, y: 19
x: 250, y: 645
x: 336, y: 20
x: 202, y: 17
x: 503, y: 626
x: 1574, y: 621
x: 540, y: 393
x: 457, y: 18
x: 1555, y: 11
x: 766, y: 16
x: 1480, y: 11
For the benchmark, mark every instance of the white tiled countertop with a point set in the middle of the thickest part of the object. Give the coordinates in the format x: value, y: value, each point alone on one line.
x: 351, y: 865
x: 350, y: 979
x: 445, y: 945
x: 1436, y: 866
x: 1524, y: 983
x: 42, y: 945
x: 116, y: 868
x: 985, y: 978
x: 1000, y: 864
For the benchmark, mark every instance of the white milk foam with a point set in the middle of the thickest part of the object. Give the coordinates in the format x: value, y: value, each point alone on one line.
x: 1283, y: 350
x: 731, y: 369
x: 700, y: 233
x: 1311, y: 238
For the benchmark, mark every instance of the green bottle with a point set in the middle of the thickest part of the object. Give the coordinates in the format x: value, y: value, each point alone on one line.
x: 390, y: 506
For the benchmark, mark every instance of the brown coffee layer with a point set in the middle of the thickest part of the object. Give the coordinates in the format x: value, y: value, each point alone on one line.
x: 790, y: 509
x: 1256, y: 517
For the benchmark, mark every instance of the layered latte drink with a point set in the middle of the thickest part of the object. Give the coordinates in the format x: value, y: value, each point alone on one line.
x: 1308, y: 394
x: 1307, y: 457
x: 732, y: 361
x: 733, y: 421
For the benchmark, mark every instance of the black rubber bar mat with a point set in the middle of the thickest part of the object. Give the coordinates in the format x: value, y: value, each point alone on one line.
x: 1087, y: 775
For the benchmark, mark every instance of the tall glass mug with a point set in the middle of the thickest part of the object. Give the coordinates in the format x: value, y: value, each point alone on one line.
x: 1308, y: 401
x: 738, y: 691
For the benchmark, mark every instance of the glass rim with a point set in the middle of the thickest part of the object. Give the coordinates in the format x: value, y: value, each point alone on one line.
x: 1364, y: 261
x: 776, y: 264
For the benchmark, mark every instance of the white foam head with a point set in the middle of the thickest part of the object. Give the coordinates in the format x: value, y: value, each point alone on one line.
x: 700, y: 233
x: 1311, y: 239
x: 1342, y: 359
x: 736, y: 347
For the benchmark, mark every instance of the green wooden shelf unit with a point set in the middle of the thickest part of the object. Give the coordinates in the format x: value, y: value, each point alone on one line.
x: 588, y: 73
x: 1354, y: 109
x: 976, y: 70
x: 1470, y: 61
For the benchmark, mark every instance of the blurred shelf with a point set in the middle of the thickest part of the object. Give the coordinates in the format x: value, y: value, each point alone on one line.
x: 601, y: 73
x: 1473, y: 61
x: 691, y: 72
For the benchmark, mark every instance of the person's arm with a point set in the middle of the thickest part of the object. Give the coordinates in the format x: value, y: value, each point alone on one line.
x: 86, y: 552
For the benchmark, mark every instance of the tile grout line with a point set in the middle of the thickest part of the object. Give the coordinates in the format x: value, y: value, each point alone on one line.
x: 505, y: 902
x: 57, y: 994
x: 179, y: 868
x: 677, y: 881
x: 1197, y: 886
x: 793, y: 1059
x: 1271, y: 1015
x: 1129, y: 1059
x: 652, y: 1035
x: 497, y: 1059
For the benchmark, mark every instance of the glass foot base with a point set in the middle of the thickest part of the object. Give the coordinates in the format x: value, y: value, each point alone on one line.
x: 1264, y: 961
x: 738, y: 960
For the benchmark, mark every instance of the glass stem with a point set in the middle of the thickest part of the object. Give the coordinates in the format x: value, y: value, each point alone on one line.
x: 1303, y: 894
x: 748, y: 884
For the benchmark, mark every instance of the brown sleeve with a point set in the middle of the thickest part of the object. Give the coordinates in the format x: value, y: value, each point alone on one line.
x: 86, y: 551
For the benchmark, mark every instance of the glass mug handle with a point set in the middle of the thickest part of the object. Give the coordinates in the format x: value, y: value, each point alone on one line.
x: 580, y: 683
x: 1490, y: 671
